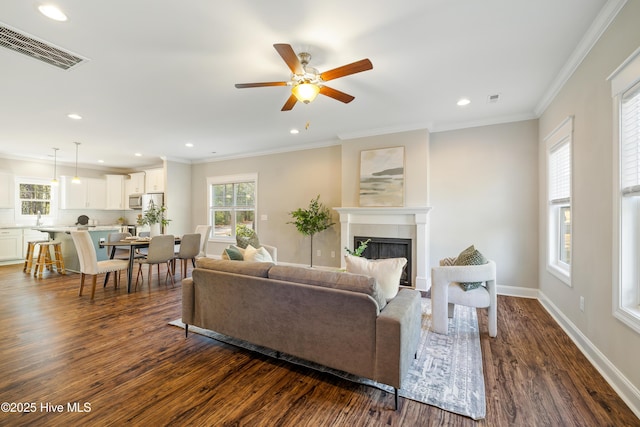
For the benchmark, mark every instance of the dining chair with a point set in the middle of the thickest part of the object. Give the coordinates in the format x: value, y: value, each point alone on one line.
x: 204, y: 231
x: 189, y: 248
x: 89, y: 264
x: 161, y: 251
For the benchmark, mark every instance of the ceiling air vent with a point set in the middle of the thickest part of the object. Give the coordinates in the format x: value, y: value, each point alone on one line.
x: 492, y: 99
x: 37, y: 49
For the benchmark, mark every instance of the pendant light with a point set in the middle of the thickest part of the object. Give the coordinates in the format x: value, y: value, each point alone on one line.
x: 76, y: 179
x: 54, y: 181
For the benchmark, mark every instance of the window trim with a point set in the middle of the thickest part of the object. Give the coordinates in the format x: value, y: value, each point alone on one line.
x: 561, y: 135
x: 229, y: 179
x: 624, y: 78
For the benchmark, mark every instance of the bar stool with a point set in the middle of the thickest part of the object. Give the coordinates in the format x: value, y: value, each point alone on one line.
x: 45, y: 261
x: 31, y: 249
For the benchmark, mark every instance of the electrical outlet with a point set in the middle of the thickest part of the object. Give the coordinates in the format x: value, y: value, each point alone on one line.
x: 581, y: 303
x: 102, y: 240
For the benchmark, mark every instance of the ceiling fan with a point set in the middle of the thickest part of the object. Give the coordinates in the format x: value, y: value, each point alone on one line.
x: 306, y: 81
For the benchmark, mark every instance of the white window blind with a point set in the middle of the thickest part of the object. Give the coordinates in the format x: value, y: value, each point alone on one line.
x: 630, y: 141
x: 560, y: 172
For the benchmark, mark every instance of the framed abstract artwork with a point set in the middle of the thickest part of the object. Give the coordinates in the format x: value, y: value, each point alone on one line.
x: 382, y: 177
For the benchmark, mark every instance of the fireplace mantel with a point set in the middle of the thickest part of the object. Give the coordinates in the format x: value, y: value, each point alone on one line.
x: 416, y: 217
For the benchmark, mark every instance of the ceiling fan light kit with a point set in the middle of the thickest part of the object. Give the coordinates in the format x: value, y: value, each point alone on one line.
x: 305, y: 92
x: 306, y: 81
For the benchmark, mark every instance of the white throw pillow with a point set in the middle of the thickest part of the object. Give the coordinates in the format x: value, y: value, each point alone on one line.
x: 387, y: 272
x: 257, y: 254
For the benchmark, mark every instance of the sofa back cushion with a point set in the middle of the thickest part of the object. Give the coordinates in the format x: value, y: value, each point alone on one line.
x: 330, y: 279
x: 248, y: 268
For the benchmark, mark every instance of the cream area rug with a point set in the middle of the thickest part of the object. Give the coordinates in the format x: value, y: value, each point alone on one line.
x: 447, y: 372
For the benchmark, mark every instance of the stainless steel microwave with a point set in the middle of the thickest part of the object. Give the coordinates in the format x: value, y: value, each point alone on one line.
x: 135, y: 201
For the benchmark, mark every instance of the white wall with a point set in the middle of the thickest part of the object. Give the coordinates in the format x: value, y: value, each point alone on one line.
x: 286, y: 182
x: 484, y: 187
x: 587, y: 96
x: 177, y: 197
x: 416, y: 178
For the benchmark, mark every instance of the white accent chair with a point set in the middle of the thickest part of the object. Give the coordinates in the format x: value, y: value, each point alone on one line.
x: 89, y: 263
x: 446, y: 292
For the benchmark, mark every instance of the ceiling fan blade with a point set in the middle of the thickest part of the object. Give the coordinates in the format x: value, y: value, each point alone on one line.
x: 290, y: 57
x: 336, y: 94
x: 245, y: 85
x: 345, y: 70
x: 290, y: 103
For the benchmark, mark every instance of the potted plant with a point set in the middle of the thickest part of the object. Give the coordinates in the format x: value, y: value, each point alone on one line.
x: 314, y: 219
x: 154, y: 217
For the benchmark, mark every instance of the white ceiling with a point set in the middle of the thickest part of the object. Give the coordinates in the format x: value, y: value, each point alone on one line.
x: 161, y: 73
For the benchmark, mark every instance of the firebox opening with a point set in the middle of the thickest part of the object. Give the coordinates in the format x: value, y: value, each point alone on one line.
x: 385, y: 247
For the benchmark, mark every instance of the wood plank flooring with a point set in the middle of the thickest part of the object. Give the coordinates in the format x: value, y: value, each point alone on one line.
x: 118, y: 361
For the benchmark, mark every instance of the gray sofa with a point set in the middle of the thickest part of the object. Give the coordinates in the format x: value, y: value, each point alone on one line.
x: 335, y: 319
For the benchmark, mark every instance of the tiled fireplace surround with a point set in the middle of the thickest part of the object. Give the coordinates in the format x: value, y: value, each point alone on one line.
x: 401, y: 222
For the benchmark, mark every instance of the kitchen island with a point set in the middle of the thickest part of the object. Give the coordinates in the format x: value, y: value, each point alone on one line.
x: 69, y: 252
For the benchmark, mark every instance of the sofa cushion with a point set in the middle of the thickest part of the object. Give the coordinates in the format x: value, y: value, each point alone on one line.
x: 330, y: 279
x: 470, y: 256
x: 387, y: 272
x: 233, y: 253
x: 256, y: 269
x: 257, y: 254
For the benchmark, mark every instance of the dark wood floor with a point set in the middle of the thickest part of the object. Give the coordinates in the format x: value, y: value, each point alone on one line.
x: 118, y: 356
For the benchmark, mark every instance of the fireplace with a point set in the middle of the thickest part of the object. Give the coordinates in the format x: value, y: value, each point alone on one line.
x: 384, y: 247
x: 411, y: 223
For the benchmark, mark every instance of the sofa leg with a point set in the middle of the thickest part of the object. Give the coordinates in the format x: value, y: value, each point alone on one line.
x: 186, y: 330
x: 395, y: 391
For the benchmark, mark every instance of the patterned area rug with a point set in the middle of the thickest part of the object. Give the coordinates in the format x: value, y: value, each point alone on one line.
x: 447, y: 373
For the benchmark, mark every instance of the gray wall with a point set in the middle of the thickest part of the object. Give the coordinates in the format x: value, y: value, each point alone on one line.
x: 484, y: 191
x: 587, y: 96
x: 286, y: 182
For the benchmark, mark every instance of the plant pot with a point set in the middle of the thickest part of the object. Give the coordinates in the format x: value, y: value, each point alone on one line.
x: 154, y: 229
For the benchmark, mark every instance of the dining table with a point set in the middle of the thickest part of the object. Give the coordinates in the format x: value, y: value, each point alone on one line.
x: 133, y: 244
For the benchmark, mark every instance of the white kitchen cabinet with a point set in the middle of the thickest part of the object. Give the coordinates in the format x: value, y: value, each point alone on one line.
x: 115, y: 192
x: 154, y: 180
x: 135, y: 185
x: 90, y: 193
x: 10, y: 243
x: 6, y: 191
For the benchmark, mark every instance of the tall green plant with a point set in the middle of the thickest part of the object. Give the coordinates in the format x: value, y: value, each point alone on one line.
x: 310, y: 221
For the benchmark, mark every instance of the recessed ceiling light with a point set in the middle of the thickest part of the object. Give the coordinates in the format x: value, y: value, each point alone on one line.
x: 101, y: 161
x: 51, y: 11
x: 138, y: 155
x: 74, y: 116
x: 464, y: 101
x: 294, y: 131
x: 188, y: 144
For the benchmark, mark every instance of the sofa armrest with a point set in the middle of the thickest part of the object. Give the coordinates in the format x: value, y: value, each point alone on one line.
x: 398, y: 329
x: 273, y: 251
x: 188, y: 300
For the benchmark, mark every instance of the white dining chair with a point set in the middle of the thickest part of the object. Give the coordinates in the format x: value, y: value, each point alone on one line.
x: 89, y: 264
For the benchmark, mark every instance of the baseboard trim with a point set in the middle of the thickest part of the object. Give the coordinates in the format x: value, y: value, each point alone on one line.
x: 616, y: 379
x: 515, y: 291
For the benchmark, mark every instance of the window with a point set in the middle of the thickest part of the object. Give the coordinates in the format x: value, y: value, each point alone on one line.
x: 232, y: 204
x: 35, y: 197
x: 559, y: 201
x: 625, y: 88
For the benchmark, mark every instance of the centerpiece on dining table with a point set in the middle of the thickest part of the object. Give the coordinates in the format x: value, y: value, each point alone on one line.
x: 155, y: 217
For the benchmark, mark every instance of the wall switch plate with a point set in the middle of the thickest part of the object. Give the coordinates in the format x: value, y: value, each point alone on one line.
x: 581, y: 303
x: 319, y: 252
x: 264, y: 217
x: 333, y: 254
